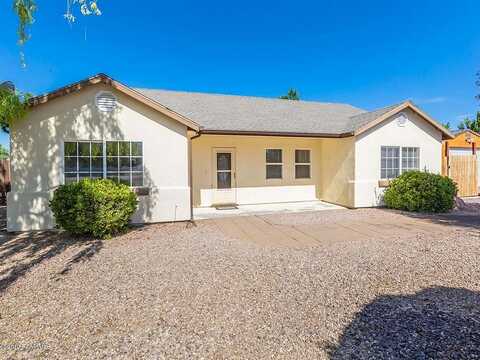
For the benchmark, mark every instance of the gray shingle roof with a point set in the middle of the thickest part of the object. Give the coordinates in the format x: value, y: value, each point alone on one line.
x: 357, y: 121
x: 255, y: 114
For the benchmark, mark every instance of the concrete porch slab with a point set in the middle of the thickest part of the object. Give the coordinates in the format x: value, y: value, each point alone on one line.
x: 202, y: 213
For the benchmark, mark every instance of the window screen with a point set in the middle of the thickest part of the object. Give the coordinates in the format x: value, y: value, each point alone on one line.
x: 274, y: 163
x: 302, y: 164
x: 224, y: 170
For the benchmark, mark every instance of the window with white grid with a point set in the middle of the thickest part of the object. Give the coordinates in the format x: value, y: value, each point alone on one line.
x: 125, y: 162
x: 82, y: 159
x: 390, y: 162
x: 410, y: 158
x: 121, y: 161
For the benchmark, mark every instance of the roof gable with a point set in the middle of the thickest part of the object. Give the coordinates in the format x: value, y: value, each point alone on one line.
x: 104, y: 79
x: 460, y: 132
x: 369, y: 120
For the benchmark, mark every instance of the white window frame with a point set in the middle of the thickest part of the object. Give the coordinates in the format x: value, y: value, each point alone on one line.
x: 387, y: 158
x: 401, y: 170
x: 309, y: 164
x: 78, y: 156
x: 130, y: 157
x: 409, y: 157
x: 104, y: 157
x: 269, y: 163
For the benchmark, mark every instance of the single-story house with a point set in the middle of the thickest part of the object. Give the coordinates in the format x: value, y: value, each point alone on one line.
x: 180, y: 150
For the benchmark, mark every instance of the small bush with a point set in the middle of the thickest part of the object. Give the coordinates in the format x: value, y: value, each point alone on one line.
x: 99, y: 208
x: 422, y: 192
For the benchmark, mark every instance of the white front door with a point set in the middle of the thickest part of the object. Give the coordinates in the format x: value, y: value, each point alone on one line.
x: 224, y: 176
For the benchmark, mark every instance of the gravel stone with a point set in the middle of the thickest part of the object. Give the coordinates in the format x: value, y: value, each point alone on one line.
x: 180, y: 291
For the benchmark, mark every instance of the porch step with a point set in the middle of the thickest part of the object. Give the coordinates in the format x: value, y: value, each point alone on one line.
x: 226, y: 207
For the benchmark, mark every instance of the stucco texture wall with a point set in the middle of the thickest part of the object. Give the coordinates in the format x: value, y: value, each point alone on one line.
x: 332, y: 169
x: 251, y: 185
x: 338, y: 171
x: 416, y: 132
x: 37, y: 155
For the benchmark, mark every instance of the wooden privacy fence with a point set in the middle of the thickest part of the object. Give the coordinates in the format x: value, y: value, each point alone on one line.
x: 463, y: 170
x: 4, y: 180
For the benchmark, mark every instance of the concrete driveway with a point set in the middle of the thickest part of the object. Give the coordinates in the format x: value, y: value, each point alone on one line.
x: 271, y: 231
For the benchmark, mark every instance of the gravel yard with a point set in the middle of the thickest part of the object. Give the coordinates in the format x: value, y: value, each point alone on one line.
x: 403, y: 287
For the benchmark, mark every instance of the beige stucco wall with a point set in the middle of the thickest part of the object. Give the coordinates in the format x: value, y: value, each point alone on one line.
x: 37, y: 156
x: 344, y: 171
x: 251, y: 184
x: 332, y: 169
x: 338, y: 171
x: 416, y: 132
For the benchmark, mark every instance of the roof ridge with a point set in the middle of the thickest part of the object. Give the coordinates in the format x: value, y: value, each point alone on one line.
x: 266, y: 98
x: 393, y: 106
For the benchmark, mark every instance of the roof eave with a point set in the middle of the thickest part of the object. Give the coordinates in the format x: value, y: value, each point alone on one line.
x: 446, y: 134
x: 105, y: 79
x: 275, y: 133
x: 466, y: 130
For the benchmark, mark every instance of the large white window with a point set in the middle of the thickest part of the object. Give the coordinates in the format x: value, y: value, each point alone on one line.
x: 302, y: 164
x: 394, y: 162
x: 120, y: 161
x: 274, y: 163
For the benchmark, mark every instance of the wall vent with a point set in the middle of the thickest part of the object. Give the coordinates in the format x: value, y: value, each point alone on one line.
x: 106, y: 101
x: 401, y: 119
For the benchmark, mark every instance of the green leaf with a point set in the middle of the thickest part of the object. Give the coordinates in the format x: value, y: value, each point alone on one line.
x: 422, y: 192
x: 25, y: 10
x: 99, y: 208
x: 13, y: 106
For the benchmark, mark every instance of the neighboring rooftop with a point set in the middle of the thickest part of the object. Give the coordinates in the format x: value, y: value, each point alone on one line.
x: 461, y: 131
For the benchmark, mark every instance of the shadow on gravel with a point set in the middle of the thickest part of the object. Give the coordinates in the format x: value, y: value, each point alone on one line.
x: 435, y: 323
x: 467, y: 220
x: 19, y: 253
x: 470, y: 221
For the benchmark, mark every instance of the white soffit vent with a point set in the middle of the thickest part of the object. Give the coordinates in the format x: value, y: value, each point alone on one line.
x: 105, y: 101
x: 401, y: 119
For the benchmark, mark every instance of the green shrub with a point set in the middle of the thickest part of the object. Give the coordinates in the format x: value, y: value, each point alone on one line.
x: 99, y: 208
x: 421, y: 191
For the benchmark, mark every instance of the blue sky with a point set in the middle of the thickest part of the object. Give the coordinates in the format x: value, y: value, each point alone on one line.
x: 368, y: 53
